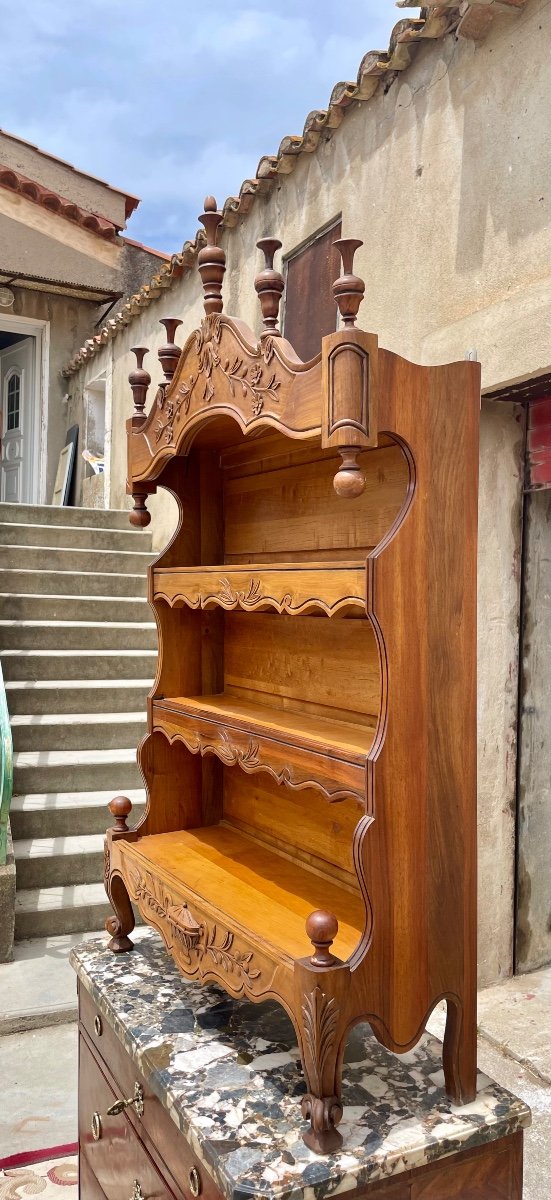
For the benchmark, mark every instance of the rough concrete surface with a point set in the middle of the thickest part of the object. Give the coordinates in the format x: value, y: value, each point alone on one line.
x: 515, y: 1017
x: 39, y: 1090
x: 39, y: 987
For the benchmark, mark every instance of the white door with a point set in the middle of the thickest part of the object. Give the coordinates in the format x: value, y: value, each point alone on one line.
x: 17, y: 392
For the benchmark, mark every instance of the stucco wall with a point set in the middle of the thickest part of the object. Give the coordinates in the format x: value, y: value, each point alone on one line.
x: 445, y: 179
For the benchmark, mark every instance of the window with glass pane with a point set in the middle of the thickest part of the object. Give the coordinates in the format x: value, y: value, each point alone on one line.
x: 14, y: 400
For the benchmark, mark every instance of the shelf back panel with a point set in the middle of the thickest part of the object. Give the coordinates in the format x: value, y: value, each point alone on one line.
x: 308, y: 664
x: 295, y: 510
x: 299, y: 823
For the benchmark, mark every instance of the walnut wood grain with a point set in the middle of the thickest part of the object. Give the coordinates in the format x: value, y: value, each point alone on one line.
x: 290, y: 587
x: 283, y: 661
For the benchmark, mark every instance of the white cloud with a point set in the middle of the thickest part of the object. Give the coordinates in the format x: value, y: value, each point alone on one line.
x: 171, y: 100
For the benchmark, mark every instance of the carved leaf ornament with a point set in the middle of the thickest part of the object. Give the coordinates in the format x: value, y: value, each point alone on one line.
x: 320, y: 1015
x: 251, y: 380
x: 198, y: 940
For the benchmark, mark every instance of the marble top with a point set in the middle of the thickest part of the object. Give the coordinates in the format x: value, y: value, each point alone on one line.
x: 228, y: 1073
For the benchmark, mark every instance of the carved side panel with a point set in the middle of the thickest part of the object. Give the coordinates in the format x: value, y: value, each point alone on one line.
x: 349, y: 384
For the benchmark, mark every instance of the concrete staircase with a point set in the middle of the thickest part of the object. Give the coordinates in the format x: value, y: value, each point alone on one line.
x: 78, y: 649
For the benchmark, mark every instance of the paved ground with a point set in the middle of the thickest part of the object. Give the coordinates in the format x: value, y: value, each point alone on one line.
x: 39, y: 1065
x: 39, y: 1089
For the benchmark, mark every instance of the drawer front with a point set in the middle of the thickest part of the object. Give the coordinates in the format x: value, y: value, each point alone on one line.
x: 116, y: 1160
x: 155, y: 1128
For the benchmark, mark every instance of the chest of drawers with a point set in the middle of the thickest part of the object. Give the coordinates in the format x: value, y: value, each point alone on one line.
x: 209, y: 1106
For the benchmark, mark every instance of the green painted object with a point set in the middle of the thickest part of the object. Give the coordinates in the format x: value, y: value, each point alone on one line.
x: 6, y: 771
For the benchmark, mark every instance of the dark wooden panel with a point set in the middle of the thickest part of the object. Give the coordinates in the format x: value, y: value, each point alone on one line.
x: 310, y: 309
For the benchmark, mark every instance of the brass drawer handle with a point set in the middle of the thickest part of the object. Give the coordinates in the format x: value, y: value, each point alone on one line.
x: 96, y: 1126
x: 137, y: 1193
x: 136, y: 1100
x: 98, y: 1026
x: 194, y: 1182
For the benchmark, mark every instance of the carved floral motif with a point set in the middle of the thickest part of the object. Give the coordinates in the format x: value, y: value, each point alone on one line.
x: 198, y: 940
x: 250, y: 378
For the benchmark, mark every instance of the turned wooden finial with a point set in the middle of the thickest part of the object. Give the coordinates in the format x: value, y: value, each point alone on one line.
x: 169, y: 353
x: 139, y: 380
x: 349, y: 480
x: 269, y: 285
x: 211, y: 260
x: 120, y: 807
x: 322, y: 928
x: 138, y: 514
x: 348, y: 289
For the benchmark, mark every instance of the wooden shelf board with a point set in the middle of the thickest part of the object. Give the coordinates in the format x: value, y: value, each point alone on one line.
x: 267, y: 895
x: 335, y: 738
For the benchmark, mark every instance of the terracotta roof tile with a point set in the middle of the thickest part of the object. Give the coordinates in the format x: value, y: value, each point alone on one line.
x: 469, y: 18
x: 131, y: 201
x: 13, y: 181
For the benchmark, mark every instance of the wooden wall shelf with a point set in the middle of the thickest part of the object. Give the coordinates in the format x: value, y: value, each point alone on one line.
x: 310, y: 828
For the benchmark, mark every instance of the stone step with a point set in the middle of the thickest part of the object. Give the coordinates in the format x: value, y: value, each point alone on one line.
x: 77, y: 664
x: 77, y: 695
x: 51, y: 514
x: 74, y: 537
x: 77, y: 731
x: 79, y: 770
x: 78, y: 635
x: 46, y: 911
x: 73, y: 608
x: 35, y: 558
x: 71, y: 583
x: 52, y: 861
x: 68, y: 814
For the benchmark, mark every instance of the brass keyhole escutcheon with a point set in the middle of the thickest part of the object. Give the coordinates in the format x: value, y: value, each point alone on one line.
x: 137, y: 1193
x: 96, y: 1126
x: 136, y: 1100
x: 194, y: 1181
x: 98, y: 1026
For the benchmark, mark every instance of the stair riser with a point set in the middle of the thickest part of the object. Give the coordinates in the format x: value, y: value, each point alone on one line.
x: 72, y: 608
x: 63, y: 920
x: 59, y: 870
x: 34, y: 558
x: 105, y: 637
x: 47, y: 514
x: 73, y: 538
x: 67, y: 583
x: 93, y: 666
x: 76, y: 700
x: 108, y: 735
x: 66, y: 822
x: 88, y: 777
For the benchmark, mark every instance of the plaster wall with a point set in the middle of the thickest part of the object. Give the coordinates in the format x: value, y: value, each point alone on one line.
x: 445, y: 179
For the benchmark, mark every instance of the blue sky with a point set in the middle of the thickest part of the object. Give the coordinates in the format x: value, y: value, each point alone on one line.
x: 171, y: 100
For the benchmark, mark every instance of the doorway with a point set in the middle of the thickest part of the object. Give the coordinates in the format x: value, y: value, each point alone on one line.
x: 24, y: 347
